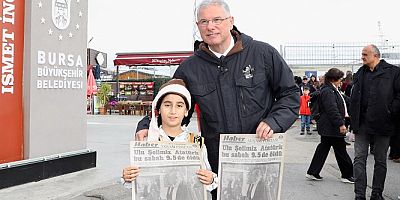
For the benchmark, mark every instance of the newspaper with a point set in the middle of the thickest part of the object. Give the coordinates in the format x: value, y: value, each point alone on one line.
x: 167, y: 171
x: 249, y: 168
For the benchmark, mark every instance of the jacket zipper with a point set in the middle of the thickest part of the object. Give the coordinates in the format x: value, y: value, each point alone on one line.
x: 241, y: 95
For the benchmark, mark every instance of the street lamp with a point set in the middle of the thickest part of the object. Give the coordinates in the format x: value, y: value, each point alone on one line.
x: 90, y: 41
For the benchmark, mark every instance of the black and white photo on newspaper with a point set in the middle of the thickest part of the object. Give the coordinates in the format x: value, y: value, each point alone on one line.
x: 250, y: 168
x: 167, y: 171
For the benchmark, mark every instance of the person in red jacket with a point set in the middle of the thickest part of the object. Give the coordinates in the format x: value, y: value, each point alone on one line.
x: 305, y: 112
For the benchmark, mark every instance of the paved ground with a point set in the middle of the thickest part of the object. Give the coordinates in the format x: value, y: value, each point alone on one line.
x: 110, y: 135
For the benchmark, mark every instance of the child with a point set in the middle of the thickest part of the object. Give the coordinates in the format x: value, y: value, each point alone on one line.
x: 305, y: 113
x: 169, y: 108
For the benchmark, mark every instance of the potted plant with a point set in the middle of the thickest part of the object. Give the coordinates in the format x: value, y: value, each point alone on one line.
x: 102, y: 94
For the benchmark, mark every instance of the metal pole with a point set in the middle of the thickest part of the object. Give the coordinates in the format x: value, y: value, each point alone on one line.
x: 117, y: 89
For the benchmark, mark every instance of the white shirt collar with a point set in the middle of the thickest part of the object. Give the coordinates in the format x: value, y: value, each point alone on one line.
x: 344, y: 102
x: 226, y: 51
x: 337, y: 89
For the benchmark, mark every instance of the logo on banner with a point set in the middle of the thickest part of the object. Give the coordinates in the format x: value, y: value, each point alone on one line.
x: 60, y: 68
x: 61, y: 13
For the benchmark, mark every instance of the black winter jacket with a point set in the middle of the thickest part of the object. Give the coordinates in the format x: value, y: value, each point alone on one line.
x: 332, y: 111
x: 235, y: 93
x: 384, y: 102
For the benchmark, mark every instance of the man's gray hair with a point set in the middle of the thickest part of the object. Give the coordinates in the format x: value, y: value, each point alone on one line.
x: 376, y: 50
x: 207, y: 3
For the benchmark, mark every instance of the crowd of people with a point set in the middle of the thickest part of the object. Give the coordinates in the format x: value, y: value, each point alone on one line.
x: 241, y: 85
x: 356, y: 105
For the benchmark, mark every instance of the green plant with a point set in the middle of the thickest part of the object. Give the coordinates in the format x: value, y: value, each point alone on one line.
x: 102, y: 93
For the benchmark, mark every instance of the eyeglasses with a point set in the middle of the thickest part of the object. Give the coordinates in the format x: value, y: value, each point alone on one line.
x: 216, y: 21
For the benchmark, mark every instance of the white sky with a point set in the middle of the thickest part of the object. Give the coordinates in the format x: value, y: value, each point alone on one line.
x: 167, y: 25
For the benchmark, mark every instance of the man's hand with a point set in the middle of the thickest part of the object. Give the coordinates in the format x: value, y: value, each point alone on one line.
x: 264, y: 131
x: 205, y: 176
x: 141, y: 135
x: 129, y: 174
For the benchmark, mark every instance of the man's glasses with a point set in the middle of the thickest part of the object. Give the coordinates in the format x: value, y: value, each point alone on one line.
x: 216, y: 21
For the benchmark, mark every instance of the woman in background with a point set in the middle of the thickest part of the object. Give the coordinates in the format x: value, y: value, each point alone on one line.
x: 331, y: 127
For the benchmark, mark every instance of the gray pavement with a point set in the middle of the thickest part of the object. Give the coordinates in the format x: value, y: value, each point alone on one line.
x: 109, y: 135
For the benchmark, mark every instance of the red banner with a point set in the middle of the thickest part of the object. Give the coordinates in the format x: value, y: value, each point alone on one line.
x: 157, y: 58
x: 11, y: 115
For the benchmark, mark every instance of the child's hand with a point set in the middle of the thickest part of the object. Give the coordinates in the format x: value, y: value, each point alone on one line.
x: 205, y: 176
x: 129, y: 174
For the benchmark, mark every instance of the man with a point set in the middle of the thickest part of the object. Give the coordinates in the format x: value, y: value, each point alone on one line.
x: 257, y: 189
x: 394, y: 153
x: 375, y: 100
x: 178, y: 188
x: 306, y: 83
x: 240, y: 85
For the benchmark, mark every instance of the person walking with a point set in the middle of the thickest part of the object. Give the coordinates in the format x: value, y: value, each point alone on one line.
x: 394, y: 144
x: 375, y: 100
x: 394, y: 153
x: 331, y: 127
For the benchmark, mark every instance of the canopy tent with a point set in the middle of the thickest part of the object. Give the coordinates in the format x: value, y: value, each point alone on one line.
x: 151, y: 58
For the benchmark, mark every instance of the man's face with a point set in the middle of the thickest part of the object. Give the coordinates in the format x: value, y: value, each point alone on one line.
x: 253, y: 175
x: 321, y: 79
x: 173, y: 178
x: 368, y: 56
x: 211, y: 33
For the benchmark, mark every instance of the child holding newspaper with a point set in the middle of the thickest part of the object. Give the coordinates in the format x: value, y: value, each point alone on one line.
x: 169, y: 108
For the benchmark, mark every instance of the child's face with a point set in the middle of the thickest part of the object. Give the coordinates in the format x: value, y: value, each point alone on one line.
x: 172, y: 110
x: 306, y: 92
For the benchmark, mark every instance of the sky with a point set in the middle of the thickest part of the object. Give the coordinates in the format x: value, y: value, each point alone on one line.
x: 121, y: 26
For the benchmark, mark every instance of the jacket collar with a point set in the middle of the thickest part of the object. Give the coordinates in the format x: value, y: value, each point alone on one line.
x: 330, y: 85
x: 379, y: 69
x: 237, y: 36
x: 231, y: 44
